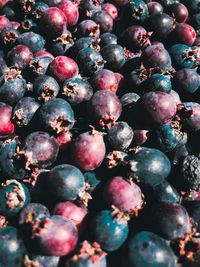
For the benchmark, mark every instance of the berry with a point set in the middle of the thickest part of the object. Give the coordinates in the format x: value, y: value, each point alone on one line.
x: 84, y: 150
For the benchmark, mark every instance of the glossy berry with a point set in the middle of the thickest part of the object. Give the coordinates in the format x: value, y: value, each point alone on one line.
x: 157, y: 107
x: 84, y: 150
x: 191, y: 115
x: 20, y: 56
x: 56, y: 115
x: 104, y: 20
x: 40, y: 150
x: 39, y: 65
x: 105, y: 80
x: 156, y: 56
x: 43, y: 260
x: 32, y: 40
x: 172, y: 220
x: 111, y: 10
x: 11, y: 167
x: 108, y: 38
x: 187, y: 81
x: 25, y: 110
x: 88, y: 28
x: 38, y: 9
x: 182, y: 56
x: 6, y: 126
x: 89, y: 61
x: 168, y: 138
x: 12, y: 247
x: 65, y: 182
x: 190, y: 172
x: 13, y: 87
x: 77, y: 90
x: 60, y: 45
x: 70, y: 9
x: 125, y: 196
x: 55, y: 236
x: 165, y: 192
x: 184, y: 34
x: 84, y: 42
x: 45, y: 87
x: 135, y: 12
x: 73, y: 212
x: 149, y: 166
x: 63, y: 67
x: 154, y: 7
x: 151, y: 251
x: 14, y: 196
x: 120, y: 136
x: 114, y: 56
x: 89, y: 255
x: 106, y: 224
x: 33, y: 212
x: 104, y: 108
x: 53, y: 21
x: 136, y: 37
x: 161, y: 25
x: 157, y: 82
x: 179, y: 11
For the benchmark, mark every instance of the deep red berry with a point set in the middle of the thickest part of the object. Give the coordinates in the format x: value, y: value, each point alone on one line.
x: 71, y: 12
x: 6, y: 126
x: 63, y: 68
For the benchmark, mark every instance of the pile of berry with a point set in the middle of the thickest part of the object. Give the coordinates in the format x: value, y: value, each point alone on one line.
x: 99, y: 133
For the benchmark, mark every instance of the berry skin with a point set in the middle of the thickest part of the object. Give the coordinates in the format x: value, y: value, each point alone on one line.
x: 107, y: 38
x: 12, y: 247
x: 135, y: 12
x: 157, y: 107
x: 155, y: 56
x: 10, y: 167
x: 105, y: 224
x: 42, y: 260
x: 56, y: 115
x: 71, y: 12
x: 191, y: 172
x: 4, y: 23
x: 179, y: 11
x: 125, y: 196
x: 182, y: 56
x: 14, y: 196
x: 184, y: 34
x: 84, y: 150
x: 104, y: 20
x: 53, y: 21
x: 65, y: 182
x: 89, y: 61
x: 165, y: 192
x: 120, y: 136
x: 62, y: 68
x: 6, y: 126
x: 40, y: 150
x: 87, y: 255
x: 149, y: 166
x: 149, y: 250
x: 25, y: 110
x: 77, y: 90
x: 105, y: 80
x: 73, y: 212
x: 32, y: 40
x: 172, y: 220
x: 20, y: 56
x: 188, y: 80
x: 157, y: 82
x: 33, y: 212
x: 168, y: 138
x: 13, y: 87
x: 154, y: 7
x: 45, y: 87
x: 104, y: 108
x: 55, y: 235
x: 111, y: 10
x: 88, y: 28
x: 191, y: 115
x: 114, y: 56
